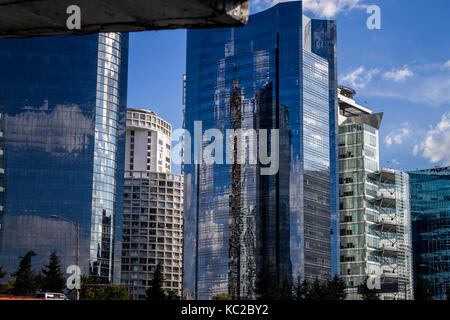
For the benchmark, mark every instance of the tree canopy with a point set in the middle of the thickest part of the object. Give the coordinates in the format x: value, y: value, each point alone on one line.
x: 26, y: 283
x: 422, y: 290
x: 92, y: 289
x: 221, y: 296
x: 368, y: 294
x: 268, y: 288
x: 52, y: 276
x: 155, y: 290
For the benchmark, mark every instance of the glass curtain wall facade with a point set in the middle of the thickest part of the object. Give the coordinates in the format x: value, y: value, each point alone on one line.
x: 237, y: 220
x: 320, y: 37
x: 430, y: 211
x: 64, y: 104
x: 2, y: 165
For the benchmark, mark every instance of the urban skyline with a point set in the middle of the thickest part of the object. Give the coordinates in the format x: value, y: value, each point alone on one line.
x: 399, y: 42
x: 105, y: 176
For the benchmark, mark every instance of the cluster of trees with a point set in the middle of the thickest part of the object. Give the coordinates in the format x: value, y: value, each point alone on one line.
x: 268, y: 288
x: 422, y: 290
x: 25, y: 282
x: 92, y: 289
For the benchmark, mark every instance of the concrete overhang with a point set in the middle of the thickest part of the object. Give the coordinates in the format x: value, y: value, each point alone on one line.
x: 373, y: 120
x: 348, y: 107
x: 30, y: 18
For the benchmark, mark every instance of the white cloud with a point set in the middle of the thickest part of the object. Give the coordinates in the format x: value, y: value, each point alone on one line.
x: 433, y: 90
x: 429, y: 86
x: 435, y: 145
x: 359, y: 78
x: 320, y: 8
x: 399, y: 75
x: 447, y: 64
x: 330, y: 8
x: 398, y: 136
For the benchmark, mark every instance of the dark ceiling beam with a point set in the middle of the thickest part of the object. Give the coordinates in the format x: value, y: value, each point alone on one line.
x: 30, y: 18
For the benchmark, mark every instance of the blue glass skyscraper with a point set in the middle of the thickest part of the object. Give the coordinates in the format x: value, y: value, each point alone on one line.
x: 430, y: 213
x: 64, y: 101
x: 271, y: 74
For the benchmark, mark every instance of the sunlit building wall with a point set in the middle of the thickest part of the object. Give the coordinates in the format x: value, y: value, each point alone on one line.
x: 375, y: 224
x: 153, y: 206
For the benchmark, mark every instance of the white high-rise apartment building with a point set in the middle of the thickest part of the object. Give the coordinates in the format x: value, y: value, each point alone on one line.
x: 148, y: 142
x: 153, y: 206
x: 375, y: 227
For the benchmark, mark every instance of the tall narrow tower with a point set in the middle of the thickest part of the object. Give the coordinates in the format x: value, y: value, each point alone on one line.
x: 64, y: 101
x: 153, y: 206
x: 266, y: 75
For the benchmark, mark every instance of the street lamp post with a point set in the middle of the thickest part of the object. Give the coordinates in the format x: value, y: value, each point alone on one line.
x: 442, y: 277
x: 77, y: 257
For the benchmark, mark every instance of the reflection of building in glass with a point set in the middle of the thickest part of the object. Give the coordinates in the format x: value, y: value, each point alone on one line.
x: 375, y: 232
x: 430, y: 210
x: 320, y: 37
x: 237, y: 220
x: 63, y: 107
x: 153, y: 206
x: 2, y: 167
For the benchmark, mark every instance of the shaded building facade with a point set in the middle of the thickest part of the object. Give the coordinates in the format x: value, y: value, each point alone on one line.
x: 236, y: 219
x: 430, y: 212
x: 64, y: 104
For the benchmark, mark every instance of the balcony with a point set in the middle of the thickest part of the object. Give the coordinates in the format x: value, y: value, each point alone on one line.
x: 389, y: 276
x: 387, y: 249
x: 384, y: 176
x: 384, y: 200
x: 388, y: 223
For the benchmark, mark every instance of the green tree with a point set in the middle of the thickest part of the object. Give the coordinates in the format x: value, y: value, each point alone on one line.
x: 318, y: 291
x: 368, y: 294
x: 53, y: 279
x: 7, y: 288
x: 156, y: 291
x: 266, y: 285
x: 302, y: 289
x: 422, y: 290
x: 92, y: 289
x: 286, y: 290
x: 3, y: 288
x: 172, y: 296
x: 2, y: 272
x: 89, y: 289
x: 336, y: 288
x: 26, y: 281
x: 221, y: 296
x: 116, y: 292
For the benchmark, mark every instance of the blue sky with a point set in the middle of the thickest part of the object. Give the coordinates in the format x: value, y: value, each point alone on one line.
x: 403, y: 70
